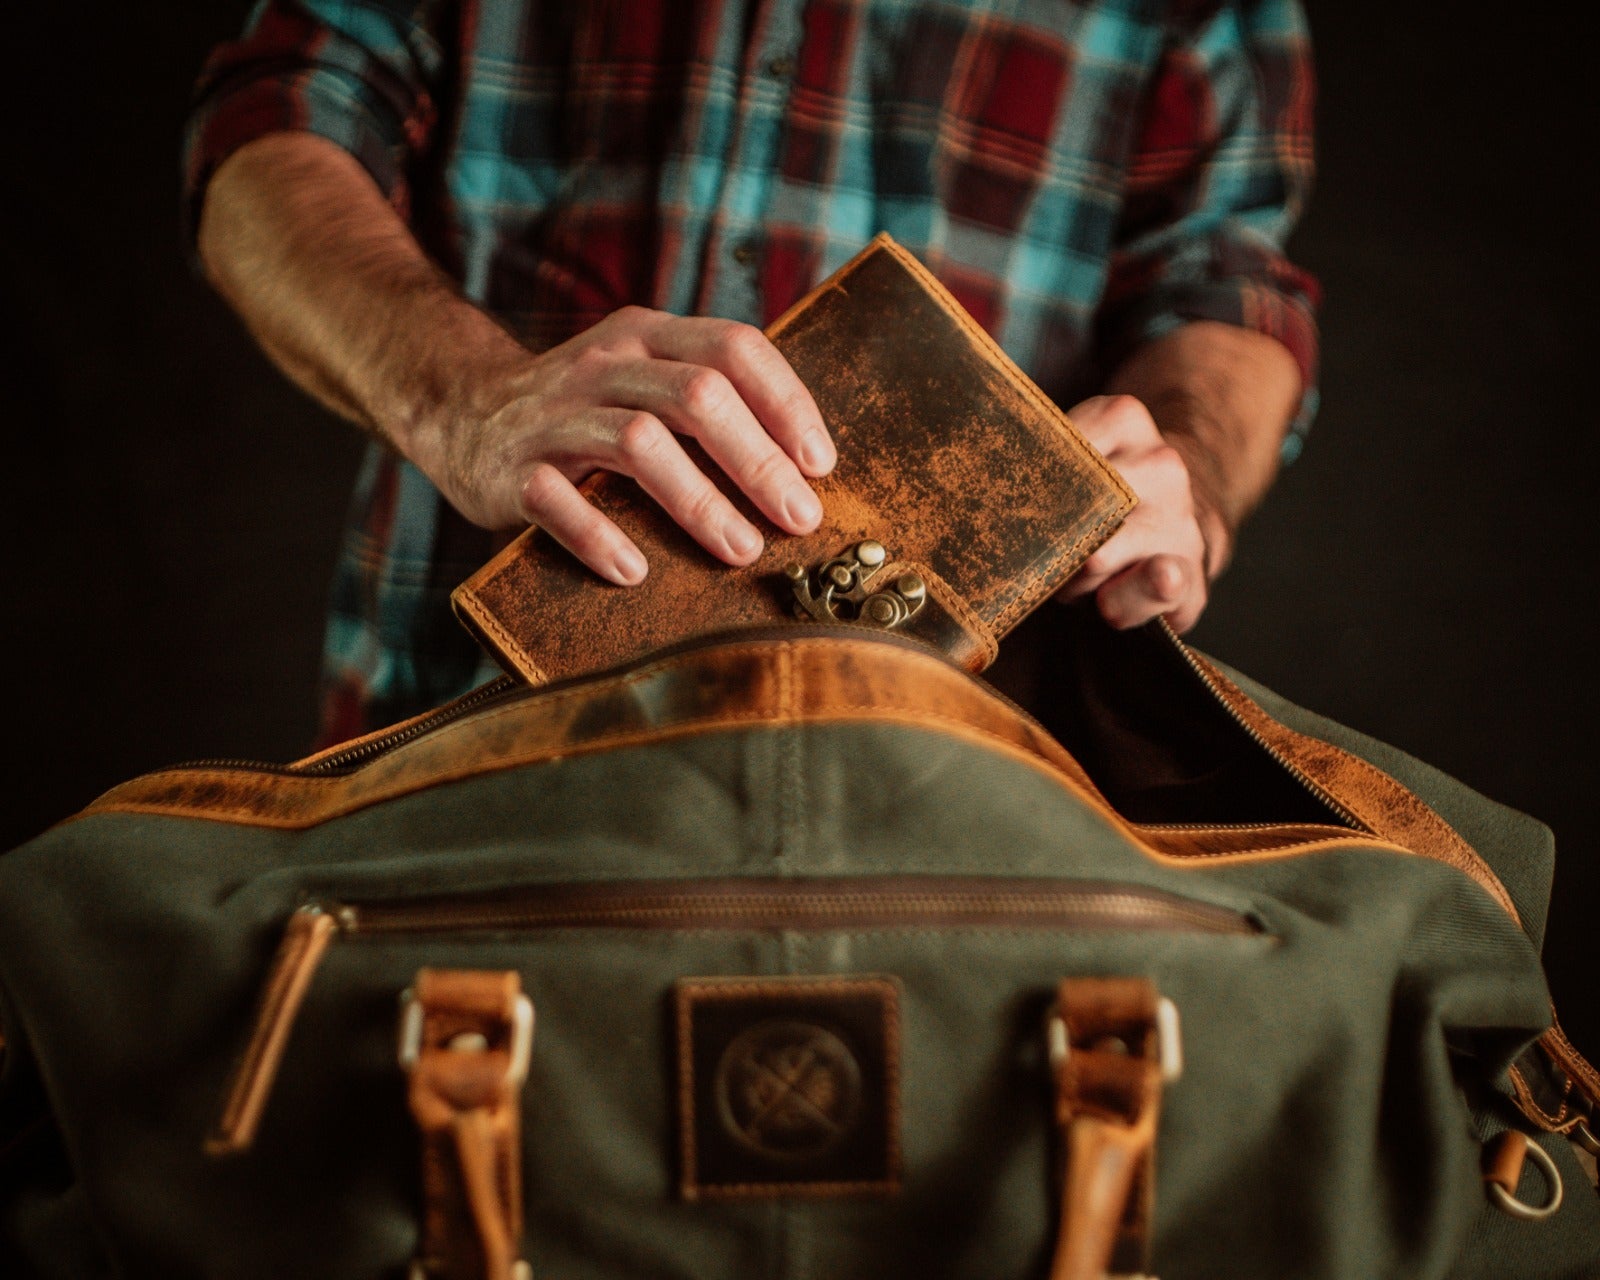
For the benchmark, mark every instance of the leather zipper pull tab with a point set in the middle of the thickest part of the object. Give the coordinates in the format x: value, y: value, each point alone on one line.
x: 465, y: 1040
x: 1113, y: 1043
x: 305, y: 940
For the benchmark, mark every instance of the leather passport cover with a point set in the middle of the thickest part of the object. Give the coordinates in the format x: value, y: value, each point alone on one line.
x: 975, y: 484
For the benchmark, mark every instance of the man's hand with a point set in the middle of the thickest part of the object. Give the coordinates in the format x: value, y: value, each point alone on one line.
x: 298, y: 238
x: 1223, y: 397
x: 616, y: 398
x: 1155, y: 565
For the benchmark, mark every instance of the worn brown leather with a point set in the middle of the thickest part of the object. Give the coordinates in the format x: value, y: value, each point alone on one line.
x: 946, y: 621
x: 299, y: 954
x: 948, y: 455
x: 464, y: 1096
x: 1108, y: 1102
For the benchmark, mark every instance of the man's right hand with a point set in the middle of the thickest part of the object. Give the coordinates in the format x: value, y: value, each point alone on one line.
x: 297, y: 237
x: 616, y: 398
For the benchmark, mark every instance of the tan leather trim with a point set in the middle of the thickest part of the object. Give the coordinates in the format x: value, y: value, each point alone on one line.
x: 1392, y: 812
x: 800, y: 680
x: 1559, y: 1121
x: 1504, y: 1156
x: 305, y: 940
x: 1568, y: 1058
x: 1577, y: 1073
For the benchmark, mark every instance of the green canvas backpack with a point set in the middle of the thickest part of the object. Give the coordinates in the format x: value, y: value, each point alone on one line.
x: 796, y: 953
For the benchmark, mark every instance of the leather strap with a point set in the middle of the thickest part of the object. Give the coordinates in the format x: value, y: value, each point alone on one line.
x: 464, y: 1042
x: 1107, y: 1056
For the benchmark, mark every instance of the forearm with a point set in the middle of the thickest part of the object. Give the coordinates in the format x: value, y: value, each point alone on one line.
x: 1223, y: 396
x: 299, y: 240
x: 331, y: 283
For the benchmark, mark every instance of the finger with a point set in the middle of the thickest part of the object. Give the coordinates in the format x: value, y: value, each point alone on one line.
x: 646, y: 450
x: 1115, y: 424
x: 1159, y: 586
x: 699, y: 401
x: 761, y: 376
x: 552, y: 502
x: 1142, y: 535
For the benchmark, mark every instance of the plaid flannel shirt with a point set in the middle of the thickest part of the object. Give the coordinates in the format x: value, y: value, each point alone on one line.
x: 1084, y: 175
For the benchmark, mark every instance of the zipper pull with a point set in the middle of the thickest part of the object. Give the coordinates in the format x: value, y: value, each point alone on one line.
x: 305, y: 939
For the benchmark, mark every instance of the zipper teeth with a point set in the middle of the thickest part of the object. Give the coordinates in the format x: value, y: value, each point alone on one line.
x: 773, y: 909
x: 509, y: 688
x: 495, y: 690
x: 470, y: 702
x: 1294, y: 770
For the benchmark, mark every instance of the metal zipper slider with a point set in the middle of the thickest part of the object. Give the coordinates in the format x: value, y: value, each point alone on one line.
x: 306, y: 938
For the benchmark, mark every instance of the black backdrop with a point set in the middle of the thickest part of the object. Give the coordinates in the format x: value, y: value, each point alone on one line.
x: 1419, y: 574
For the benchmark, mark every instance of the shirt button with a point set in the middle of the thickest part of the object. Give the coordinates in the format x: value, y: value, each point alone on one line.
x: 744, y: 253
x: 781, y: 68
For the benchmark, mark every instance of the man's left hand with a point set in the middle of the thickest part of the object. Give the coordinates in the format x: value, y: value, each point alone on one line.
x: 1155, y: 564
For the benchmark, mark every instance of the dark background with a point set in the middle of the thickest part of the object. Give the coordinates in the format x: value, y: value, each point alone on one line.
x: 1422, y: 573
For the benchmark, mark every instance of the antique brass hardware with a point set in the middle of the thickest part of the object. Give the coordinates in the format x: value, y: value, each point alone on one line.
x: 841, y: 589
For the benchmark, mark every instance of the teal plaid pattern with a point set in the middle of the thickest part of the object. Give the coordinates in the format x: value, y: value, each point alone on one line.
x: 1083, y: 177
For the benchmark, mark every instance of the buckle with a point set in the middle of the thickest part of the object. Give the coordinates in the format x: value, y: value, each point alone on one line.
x: 842, y: 589
x: 1169, y: 1041
x: 521, y: 1048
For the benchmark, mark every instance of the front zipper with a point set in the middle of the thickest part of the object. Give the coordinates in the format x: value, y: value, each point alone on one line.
x: 1284, y: 762
x: 508, y: 688
x: 497, y: 690
x: 751, y: 904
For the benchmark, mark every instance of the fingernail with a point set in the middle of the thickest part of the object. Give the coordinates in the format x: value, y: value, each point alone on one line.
x: 817, y: 454
x: 744, y: 540
x: 801, y: 507
x: 630, y: 566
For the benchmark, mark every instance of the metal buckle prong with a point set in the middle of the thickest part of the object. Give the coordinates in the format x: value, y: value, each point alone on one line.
x: 521, y: 1048
x: 1169, y: 1040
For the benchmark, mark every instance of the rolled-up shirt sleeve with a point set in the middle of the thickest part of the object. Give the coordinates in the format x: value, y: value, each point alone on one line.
x: 362, y: 75
x: 1219, y: 177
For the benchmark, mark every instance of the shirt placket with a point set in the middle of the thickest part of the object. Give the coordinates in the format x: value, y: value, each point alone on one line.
x: 730, y: 286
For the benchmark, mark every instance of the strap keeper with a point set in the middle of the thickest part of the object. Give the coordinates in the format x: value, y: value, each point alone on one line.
x: 465, y: 1041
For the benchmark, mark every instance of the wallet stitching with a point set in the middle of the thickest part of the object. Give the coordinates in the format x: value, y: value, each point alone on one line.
x: 1026, y: 596
x: 530, y: 670
x: 951, y: 601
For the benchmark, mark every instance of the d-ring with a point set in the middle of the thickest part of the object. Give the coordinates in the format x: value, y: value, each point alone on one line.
x: 1583, y: 1135
x: 1508, y: 1203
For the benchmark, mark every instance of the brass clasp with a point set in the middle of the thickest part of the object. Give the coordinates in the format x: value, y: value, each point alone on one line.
x: 840, y: 590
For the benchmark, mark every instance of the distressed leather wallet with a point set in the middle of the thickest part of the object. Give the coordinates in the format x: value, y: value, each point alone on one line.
x: 961, y: 499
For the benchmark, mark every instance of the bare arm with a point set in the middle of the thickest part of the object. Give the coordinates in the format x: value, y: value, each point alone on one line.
x: 1194, y: 421
x: 298, y: 239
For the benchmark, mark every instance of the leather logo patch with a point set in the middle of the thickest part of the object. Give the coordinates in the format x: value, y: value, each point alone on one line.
x: 788, y: 1086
